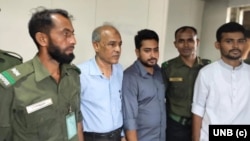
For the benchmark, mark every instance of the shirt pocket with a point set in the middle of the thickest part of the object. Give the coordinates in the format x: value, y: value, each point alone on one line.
x: 35, y: 122
x: 177, y: 90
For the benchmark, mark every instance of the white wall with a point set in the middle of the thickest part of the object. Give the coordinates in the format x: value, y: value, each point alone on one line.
x: 128, y: 16
x: 14, y: 26
x: 131, y: 16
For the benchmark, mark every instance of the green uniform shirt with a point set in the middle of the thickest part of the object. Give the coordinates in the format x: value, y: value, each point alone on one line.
x: 247, y: 60
x: 31, y: 83
x: 7, y: 60
x: 180, y: 79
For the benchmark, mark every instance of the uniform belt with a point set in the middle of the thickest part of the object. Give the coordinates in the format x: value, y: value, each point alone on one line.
x: 180, y: 119
x: 107, y: 135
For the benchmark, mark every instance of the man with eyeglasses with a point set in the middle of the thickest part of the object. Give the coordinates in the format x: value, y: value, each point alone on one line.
x: 40, y: 99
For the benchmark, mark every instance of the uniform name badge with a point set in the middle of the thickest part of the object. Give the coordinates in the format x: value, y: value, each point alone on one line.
x: 39, y: 105
x: 71, y: 125
x: 175, y: 79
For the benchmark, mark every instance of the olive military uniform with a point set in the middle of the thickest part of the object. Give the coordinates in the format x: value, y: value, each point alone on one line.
x: 33, y: 107
x: 247, y: 61
x: 9, y: 59
x: 180, y: 79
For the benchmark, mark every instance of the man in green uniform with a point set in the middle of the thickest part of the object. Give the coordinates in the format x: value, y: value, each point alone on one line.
x: 246, y: 51
x: 9, y: 59
x: 179, y: 75
x: 40, y: 99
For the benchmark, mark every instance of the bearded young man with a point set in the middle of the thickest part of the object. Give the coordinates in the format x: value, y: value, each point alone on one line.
x: 221, y: 92
x: 144, y: 111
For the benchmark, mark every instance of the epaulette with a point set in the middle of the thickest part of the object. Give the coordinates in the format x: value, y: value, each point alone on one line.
x: 13, y: 54
x: 247, y: 61
x: 164, y: 64
x: 9, y: 77
x: 206, y: 61
x: 73, y: 66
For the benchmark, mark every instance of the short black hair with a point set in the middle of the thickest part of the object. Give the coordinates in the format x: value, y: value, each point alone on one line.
x: 229, y: 27
x: 184, y: 28
x: 41, y: 21
x: 247, y: 33
x: 145, y: 34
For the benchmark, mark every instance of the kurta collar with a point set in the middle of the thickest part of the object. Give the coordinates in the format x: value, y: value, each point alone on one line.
x: 229, y: 66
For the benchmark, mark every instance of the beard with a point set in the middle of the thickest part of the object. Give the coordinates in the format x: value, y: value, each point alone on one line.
x: 231, y: 57
x: 147, y: 64
x: 57, y: 54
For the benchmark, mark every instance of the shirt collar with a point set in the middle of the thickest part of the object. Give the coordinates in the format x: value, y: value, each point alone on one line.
x: 198, y: 62
x: 142, y: 69
x: 41, y: 72
x: 94, y: 69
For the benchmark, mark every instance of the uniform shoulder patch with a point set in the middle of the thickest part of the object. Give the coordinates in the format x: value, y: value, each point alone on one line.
x: 13, y: 54
x: 169, y: 62
x: 206, y: 61
x: 247, y: 61
x: 164, y: 64
x: 11, y: 76
x: 74, y: 67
